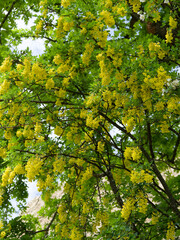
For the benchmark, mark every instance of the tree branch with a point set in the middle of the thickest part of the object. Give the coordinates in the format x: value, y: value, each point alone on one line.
x: 175, y: 149
x: 43, y: 230
x: 9, y: 12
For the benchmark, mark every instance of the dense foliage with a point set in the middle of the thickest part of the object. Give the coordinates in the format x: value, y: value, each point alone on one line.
x: 96, y: 116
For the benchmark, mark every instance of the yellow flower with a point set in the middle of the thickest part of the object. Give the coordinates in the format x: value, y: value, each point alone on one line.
x: 33, y: 168
x: 121, y: 11
x: 128, y: 153
x: 128, y: 206
x: 19, y: 169
x: 108, y: 18
x: 1, y: 224
x: 100, y: 147
x: 11, y: 177
x: 5, y: 176
x: 49, y: 83
x: 4, y: 86
x: 172, y: 22
x: 6, y: 65
x: 170, y: 232
x: 136, y: 154
x: 58, y: 130
x: 3, y: 234
x: 2, y: 152
x: 75, y: 234
x: 169, y: 36
x: 67, y: 26
x: 1, y: 200
x: 65, y: 82
x: 57, y: 59
x: 155, y: 218
x: 142, y: 202
x: 139, y: 177
x: 38, y: 128
x: 65, y: 3
x: 39, y: 26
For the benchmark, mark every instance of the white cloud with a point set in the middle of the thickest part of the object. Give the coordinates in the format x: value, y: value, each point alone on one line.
x: 36, y: 46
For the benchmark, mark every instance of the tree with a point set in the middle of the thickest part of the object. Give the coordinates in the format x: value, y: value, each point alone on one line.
x: 95, y: 116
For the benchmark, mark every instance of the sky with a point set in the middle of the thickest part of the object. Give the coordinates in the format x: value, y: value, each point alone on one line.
x: 36, y: 46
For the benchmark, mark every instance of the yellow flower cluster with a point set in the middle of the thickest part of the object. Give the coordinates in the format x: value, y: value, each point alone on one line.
x: 63, y: 26
x: 38, y: 127
x: 132, y: 153
x: 108, y: 18
x: 155, y: 48
x: 108, y: 96
x: 102, y: 217
x: 164, y: 127
x: 33, y: 168
x: 156, y: 16
x: 65, y: 82
x: 142, y: 202
x: 39, y: 26
x: 43, y: 2
x: 172, y: 22
x: 38, y: 73
x: 2, y: 152
x: 169, y: 36
x: 159, y: 106
x: 57, y: 59
x: 40, y: 185
x: 170, y: 232
x: 140, y: 177
x: 100, y: 147
x: 155, y: 218
x: 173, y: 104
x: 92, y: 122
x: 6, y: 65
x: 99, y: 35
x: 3, y: 234
x: 159, y: 81
x: 107, y: 3
x: 28, y: 133
x: 1, y: 225
x: 58, y: 165
x: 61, y: 93
x: 117, y: 176
x: 19, y: 169
x: 90, y: 100
x: 5, y: 177
x: 87, y: 174
x: 8, y: 134
x: 75, y: 234
x: 65, y: 3
x: 105, y: 73
x: 49, y: 181
x: 50, y: 83
x: 58, y: 130
x: 4, y: 87
x: 64, y: 67
x: 127, y: 208
x: 1, y: 200
x: 27, y: 69
x: 62, y: 213
x: 129, y: 122
x: 119, y: 10
x: 67, y: 26
x: 87, y: 208
x: 87, y: 54
x: 136, y: 5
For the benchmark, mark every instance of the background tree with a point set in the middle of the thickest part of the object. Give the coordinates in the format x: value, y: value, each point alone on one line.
x: 96, y: 115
